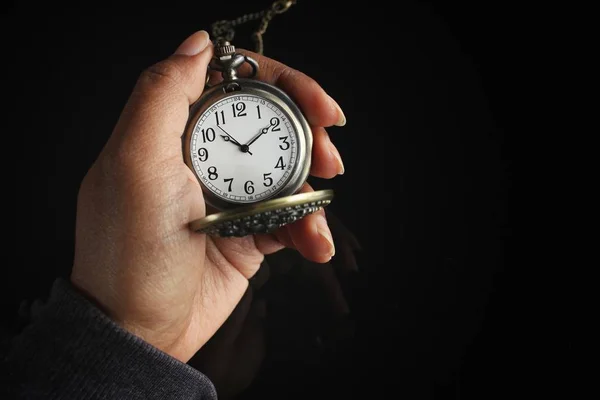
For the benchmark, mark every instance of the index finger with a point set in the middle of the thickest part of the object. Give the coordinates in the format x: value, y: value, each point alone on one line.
x: 319, y: 108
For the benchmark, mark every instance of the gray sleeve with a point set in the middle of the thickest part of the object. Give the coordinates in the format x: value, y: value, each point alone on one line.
x: 71, y: 350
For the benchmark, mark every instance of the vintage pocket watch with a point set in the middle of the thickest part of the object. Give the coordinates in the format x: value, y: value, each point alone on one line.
x: 249, y: 145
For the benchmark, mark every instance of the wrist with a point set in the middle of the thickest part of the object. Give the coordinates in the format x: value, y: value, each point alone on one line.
x: 168, y: 340
x: 166, y: 337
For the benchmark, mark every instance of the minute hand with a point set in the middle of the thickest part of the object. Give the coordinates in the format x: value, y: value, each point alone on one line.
x: 262, y: 132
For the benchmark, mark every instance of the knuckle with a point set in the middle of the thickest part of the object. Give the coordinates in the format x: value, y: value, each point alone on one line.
x: 164, y: 73
x: 277, y: 71
x: 270, y: 70
x: 287, y: 77
x: 281, y: 74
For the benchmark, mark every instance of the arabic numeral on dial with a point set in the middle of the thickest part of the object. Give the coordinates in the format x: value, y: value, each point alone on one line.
x: 248, y: 187
x: 220, y: 120
x: 280, y: 163
x: 202, y: 154
x: 212, y: 173
x: 239, y: 109
x: 208, y: 134
x: 286, y: 144
x: 258, y: 111
x: 275, y: 124
x: 230, y: 180
x: 268, y: 181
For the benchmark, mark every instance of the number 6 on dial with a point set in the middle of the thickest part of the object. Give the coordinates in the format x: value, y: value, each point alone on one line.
x: 249, y: 146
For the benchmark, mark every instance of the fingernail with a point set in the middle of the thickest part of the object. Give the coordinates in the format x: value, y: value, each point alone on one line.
x: 336, y: 154
x: 193, y: 44
x: 341, y: 117
x: 323, y: 230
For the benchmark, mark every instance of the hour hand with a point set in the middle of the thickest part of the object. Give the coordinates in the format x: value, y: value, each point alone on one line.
x: 231, y: 139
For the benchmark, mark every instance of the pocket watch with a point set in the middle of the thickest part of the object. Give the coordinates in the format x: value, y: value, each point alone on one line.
x: 249, y: 145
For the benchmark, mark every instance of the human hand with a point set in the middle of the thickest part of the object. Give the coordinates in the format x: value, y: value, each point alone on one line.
x: 135, y: 255
x: 288, y: 297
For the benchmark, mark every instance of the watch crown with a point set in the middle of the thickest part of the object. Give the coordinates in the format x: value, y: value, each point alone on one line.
x: 224, y: 49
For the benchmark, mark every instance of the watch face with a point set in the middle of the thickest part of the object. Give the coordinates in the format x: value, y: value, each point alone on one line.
x: 244, y: 148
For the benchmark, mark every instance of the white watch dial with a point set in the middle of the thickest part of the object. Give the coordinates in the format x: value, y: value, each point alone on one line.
x: 244, y: 148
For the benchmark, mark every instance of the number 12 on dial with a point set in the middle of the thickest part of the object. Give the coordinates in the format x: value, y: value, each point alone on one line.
x: 245, y: 149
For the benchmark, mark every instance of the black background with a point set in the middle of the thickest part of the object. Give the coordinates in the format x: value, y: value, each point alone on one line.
x: 440, y: 302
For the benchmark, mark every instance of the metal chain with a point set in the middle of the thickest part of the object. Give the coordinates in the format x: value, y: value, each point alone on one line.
x: 225, y: 29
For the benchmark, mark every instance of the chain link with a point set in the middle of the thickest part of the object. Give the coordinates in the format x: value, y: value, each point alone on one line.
x: 225, y: 29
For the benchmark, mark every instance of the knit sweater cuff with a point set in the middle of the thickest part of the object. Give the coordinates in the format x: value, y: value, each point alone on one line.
x: 72, y: 350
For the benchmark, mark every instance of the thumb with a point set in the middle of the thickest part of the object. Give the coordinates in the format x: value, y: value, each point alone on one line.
x: 156, y: 113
